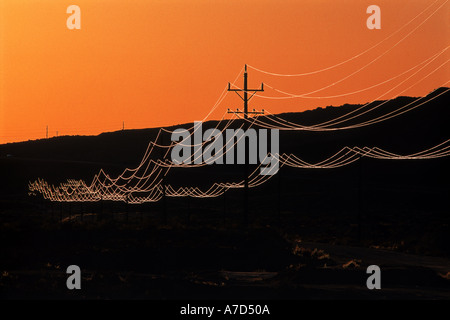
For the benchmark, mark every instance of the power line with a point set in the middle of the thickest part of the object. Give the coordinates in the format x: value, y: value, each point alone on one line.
x: 77, y: 190
x: 360, y: 54
x: 306, y: 95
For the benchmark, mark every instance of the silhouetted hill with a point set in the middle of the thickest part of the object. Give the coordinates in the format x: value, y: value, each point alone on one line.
x: 80, y: 157
x: 412, y: 130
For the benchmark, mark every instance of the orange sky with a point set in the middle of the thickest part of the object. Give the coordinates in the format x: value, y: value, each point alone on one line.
x: 152, y: 63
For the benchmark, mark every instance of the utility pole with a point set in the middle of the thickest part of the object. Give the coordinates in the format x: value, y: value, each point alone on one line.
x: 360, y: 197
x: 245, y: 98
x: 279, y: 197
x: 46, y: 135
x: 188, y: 210
x: 163, y: 182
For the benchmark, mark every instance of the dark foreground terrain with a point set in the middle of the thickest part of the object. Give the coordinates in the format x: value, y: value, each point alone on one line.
x: 131, y: 256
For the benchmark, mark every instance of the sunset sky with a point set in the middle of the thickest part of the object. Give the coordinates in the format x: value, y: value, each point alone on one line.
x: 165, y: 62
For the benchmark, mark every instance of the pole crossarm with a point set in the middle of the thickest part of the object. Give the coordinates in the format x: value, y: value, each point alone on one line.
x: 248, y: 90
x: 248, y: 112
